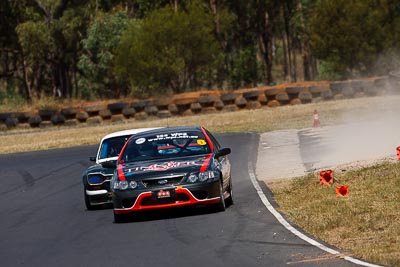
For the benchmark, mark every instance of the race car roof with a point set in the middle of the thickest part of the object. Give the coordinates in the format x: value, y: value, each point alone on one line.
x: 172, y: 129
x: 128, y: 132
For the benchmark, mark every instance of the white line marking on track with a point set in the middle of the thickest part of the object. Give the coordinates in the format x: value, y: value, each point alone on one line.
x: 282, y: 220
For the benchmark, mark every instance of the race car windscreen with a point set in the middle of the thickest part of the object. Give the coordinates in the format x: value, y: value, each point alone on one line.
x: 112, y: 146
x: 169, y: 145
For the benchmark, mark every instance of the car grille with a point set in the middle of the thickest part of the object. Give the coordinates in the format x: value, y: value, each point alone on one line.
x: 162, y: 181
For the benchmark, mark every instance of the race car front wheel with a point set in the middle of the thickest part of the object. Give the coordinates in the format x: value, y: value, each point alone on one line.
x: 229, y: 200
x: 221, y: 206
x: 89, y: 206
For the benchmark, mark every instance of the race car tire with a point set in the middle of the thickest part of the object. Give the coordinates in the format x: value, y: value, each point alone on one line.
x: 221, y: 206
x: 87, y: 202
x: 120, y: 218
x: 229, y: 200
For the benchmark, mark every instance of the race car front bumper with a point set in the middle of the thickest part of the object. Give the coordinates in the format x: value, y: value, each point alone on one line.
x: 167, y: 197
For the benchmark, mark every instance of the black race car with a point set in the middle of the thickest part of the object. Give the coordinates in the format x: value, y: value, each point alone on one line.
x: 171, y: 167
x: 96, y: 179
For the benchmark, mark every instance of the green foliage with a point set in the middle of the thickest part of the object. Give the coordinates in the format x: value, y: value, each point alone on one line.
x: 168, y: 50
x: 35, y: 39
x: 99, y: 50
x: 331, y: 71
x: 10, y: 99
x: 174, y: 46
x: 244, y: 68
x: 349, y: 34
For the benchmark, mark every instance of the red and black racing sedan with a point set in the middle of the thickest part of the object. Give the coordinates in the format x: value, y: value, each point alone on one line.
x: 171, y: 167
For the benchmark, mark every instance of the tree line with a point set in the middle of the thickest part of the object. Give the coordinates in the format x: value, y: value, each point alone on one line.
x: 98, y: 49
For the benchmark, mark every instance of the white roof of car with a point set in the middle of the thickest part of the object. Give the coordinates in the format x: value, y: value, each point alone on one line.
x: 128, y: 132
x: 120, y: 133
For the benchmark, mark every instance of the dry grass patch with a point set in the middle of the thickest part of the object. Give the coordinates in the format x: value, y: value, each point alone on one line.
x: 365, y: 224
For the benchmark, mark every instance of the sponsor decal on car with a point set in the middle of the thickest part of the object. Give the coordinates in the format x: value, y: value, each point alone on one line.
x: 172, y: 136
x: 166, y: 166
x: 163, y: 194
x: 140, y: 141
x: 201, y: 142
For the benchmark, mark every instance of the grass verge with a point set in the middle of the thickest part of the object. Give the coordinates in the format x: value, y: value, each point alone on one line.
x: 366, y: 223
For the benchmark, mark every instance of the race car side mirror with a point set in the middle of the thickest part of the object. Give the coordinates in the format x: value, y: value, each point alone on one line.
x: 109, y: 164
x: 223, y: 152
x: 92, y: 158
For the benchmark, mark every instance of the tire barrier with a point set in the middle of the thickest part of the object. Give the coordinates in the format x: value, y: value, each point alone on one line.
x: 229, y: 98
x: 70, y: 113
x: 116, y: 108
x: 128, y: 112
x: 283, y: 98
x: 46, y: 114
x: 202, y: 102
x: 94, y: 120
x: 82, y: 116
x: 241, y: 102
x: 195, y: 108
x: 173, y: 108
x: 305, y: 97
x: 92, y: 110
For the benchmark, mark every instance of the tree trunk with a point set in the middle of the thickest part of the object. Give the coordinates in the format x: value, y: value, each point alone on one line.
x: 305, y: 45
x: 287, y: 39
x: 265, y: 31
x: 222, y: 71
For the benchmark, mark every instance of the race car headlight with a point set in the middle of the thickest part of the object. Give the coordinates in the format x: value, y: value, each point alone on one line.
x: 123, y: 185
x: 201, y: 176
x: 95, y: 179
x: 193, y: 178
x: 132, y: 184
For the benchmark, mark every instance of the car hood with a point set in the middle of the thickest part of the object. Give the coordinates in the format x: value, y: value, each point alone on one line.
x: 144, y: 169
x: 98, y: 168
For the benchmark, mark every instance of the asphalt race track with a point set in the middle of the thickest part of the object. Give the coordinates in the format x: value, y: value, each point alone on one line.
x: 44, y: 222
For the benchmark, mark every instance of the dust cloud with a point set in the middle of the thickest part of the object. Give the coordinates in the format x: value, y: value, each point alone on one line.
x: 365, y: 134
